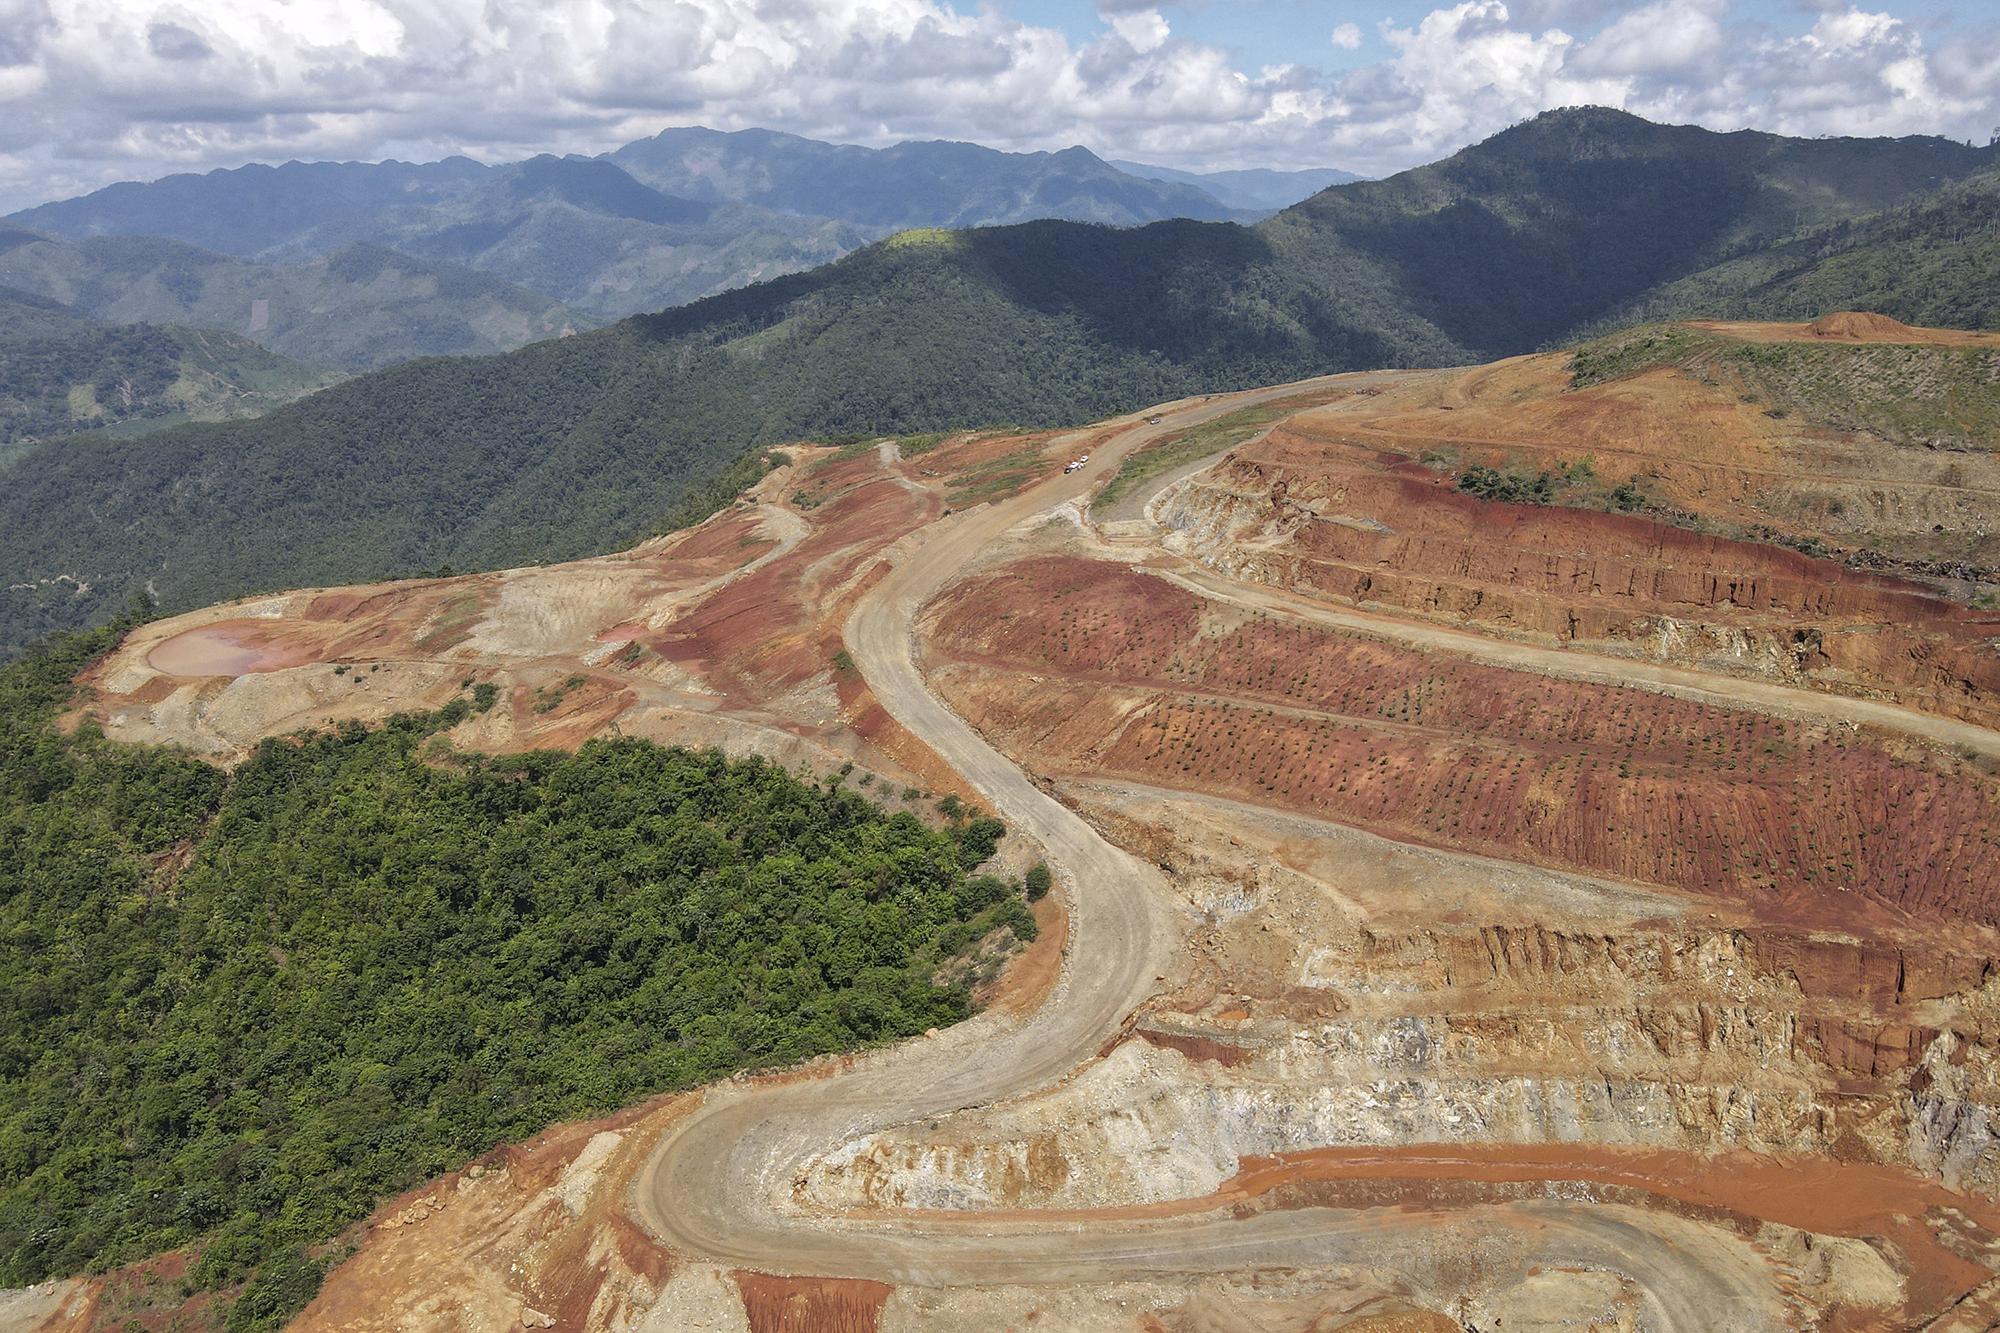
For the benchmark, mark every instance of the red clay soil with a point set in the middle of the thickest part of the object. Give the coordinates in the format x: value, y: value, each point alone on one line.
x: 731, y: 539
x: 228, y: 648
x: 1133, y: 677
x: 1196, y: 1047
x: 781, y: 627
x: 811, y: 1304
x: 762, y: 635
x: 490, y: 1241
x: 1409, y: 541
x: 148, y: 1295
x: 1032, y: 973
x: 1928, y: 1224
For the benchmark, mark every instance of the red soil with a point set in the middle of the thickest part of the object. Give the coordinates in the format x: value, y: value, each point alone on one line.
x: 1196, y: 1047
x: 1410, y: 542
x: 1621, y: 782
x: 228, y: 648
x: 150, y: 1296
x: 1920, y: 1218
x: 811, y: 1305
x: 763, y: 634
x: 1849, y: 326
x: 1857, y: 324
x: 1032, y: 973
x: 731, y: 538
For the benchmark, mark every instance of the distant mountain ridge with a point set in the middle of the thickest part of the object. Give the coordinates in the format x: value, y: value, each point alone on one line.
x: 935, y: 183
x: 1523, y: 240
x: 659, y: 222
x: 1254, y: 188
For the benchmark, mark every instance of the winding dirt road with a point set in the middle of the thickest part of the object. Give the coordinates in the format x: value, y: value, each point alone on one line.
x: 720, y: 1186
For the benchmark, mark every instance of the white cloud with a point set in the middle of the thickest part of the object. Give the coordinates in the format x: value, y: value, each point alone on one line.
x: 1466, y: 71
x: 98, y: 90
x: 1144, y: 30
x: 1852, y: 30
x: 1672, y: 37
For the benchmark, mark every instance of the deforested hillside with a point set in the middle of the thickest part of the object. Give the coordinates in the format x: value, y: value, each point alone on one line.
x: 568, y: 447
x: 1866, y: 374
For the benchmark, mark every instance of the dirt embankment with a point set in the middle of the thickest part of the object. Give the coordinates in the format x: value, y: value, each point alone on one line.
x: 1351, y: 1015
x: 1851, y: 326
x: 1097, y: 668
x: 1313, y: 516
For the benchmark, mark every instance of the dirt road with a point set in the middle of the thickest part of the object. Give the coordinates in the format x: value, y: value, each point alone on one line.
x: 1577, y: 664
x: 720, y: 1187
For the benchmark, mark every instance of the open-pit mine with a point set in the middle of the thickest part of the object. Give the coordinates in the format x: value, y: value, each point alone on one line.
x: 1527, y: 842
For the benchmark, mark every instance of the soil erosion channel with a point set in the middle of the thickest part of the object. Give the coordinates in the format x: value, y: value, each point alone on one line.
x: 721, y: 1184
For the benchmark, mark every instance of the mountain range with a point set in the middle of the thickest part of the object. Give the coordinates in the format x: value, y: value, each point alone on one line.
x: 1538, y: 234
x: 355, y: 266
x: 659, y: 222
x: 1251, y: 189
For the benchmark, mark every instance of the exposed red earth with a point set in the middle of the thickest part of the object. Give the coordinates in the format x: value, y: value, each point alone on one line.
x: 1479, y: 915
x: 1102, y: 668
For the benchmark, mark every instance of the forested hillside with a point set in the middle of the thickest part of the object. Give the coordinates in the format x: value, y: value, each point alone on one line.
x: 579, y: 445
x: 238, y: 1008
x: 1577, y: 215
x: 585, y: 443
x: 62, y: 374
x: 1934, y: 260
x: 357, y: 309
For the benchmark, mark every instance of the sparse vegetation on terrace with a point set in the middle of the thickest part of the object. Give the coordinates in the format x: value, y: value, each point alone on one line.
x: 1907, y: 394
x: 997, y: 477
x: 1575, y: 484
x: 1211, y: 437
x: 1609, y: 780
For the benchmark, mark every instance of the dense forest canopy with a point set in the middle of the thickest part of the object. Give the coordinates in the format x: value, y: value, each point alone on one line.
x: 236, y: 1009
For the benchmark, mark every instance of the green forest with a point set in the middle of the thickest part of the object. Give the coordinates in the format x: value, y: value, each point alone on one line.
x: 57, y: 381
x: 238, y: 1008
x: 1932, y: 260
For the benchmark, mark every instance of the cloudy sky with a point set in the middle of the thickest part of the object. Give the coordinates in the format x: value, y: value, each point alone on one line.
x: 93, y: 91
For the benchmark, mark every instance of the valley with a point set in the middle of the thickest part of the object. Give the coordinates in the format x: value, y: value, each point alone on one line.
x: 1527, y: 840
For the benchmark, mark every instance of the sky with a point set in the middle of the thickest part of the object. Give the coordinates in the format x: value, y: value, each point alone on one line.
x: 95, y: 91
